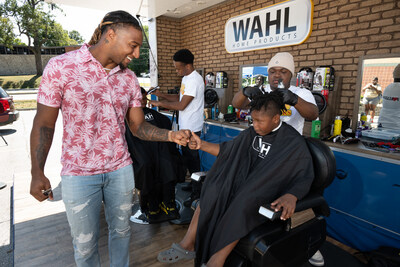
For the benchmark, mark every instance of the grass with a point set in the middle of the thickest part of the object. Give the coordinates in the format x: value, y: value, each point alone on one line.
x: 20, y: 82
x: 25, y: 104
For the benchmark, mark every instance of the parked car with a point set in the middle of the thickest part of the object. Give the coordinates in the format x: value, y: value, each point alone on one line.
x: 8, y: 113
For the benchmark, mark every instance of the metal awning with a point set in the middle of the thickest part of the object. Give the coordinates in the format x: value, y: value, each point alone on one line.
x: 144, y: 8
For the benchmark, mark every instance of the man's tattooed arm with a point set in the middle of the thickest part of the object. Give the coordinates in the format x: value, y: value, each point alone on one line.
x: 147, y: 131
x: 42, y: 149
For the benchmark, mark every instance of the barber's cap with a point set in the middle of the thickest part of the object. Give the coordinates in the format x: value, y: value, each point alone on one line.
x: 282, y: 60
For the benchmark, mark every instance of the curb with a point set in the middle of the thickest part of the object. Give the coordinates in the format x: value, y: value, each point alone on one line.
x: 22, y: 91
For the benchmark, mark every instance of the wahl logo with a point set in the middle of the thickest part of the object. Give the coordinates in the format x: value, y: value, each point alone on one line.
x: 261, y: 147
x: 283, y: 24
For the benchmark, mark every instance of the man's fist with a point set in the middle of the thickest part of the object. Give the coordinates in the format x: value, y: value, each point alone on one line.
x: 180, y: 137
x: 288, y: 97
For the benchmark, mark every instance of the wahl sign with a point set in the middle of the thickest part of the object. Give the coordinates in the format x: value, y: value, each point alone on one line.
x: 283, y: 24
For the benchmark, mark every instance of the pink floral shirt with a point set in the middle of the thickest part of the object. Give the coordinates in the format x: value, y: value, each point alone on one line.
x: 93, y: 105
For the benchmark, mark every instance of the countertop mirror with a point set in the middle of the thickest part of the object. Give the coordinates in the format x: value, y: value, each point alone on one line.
x: 367, y: 99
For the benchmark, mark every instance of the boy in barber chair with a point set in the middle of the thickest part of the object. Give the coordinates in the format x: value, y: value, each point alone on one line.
x: 266, y: 163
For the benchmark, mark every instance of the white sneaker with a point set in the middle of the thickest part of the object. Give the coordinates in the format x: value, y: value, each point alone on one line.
x: 139, y: 218
x: 317, y: 259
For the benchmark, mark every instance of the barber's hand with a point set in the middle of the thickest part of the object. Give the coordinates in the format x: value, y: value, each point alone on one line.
x: 155, y: 103
x: 287, y: 203
x: 288, y: 97
x: 154, y: 91
x: 194, y: 142
x: 39, y: 184
x: 180, y: 137
x: 251, y: 92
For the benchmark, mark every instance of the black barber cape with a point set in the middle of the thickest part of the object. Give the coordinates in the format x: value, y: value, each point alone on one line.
x: 154, y: 162
x: 250, y: 171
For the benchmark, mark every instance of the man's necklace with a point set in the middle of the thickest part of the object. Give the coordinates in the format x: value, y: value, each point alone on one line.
x: 107, y: 69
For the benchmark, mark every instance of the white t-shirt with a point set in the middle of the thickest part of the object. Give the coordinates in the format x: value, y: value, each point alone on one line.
x: 292, y: 116
x: 192, y: 117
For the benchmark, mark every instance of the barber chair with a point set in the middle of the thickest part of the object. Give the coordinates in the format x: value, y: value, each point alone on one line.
x: 279, y: 243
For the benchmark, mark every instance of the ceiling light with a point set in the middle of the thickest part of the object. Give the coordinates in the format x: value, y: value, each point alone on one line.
x: 177, y: 12
x: 200, y: 2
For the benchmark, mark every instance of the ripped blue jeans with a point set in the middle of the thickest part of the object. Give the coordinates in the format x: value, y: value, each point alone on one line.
x: 83, y: 197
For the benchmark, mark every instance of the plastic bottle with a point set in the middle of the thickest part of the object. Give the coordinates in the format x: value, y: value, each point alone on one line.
x: 337, y: 129
x: 230, y: 109
x: 316, y: 128
x: 363, y: 119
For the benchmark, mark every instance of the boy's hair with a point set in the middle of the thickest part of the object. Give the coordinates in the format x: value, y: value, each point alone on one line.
x: 272, y: 103
x: 144, y: 92
x: 114, y: 20
x: 184, y: 56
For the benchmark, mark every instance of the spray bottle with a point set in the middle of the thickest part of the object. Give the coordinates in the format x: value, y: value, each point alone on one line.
x: 337, y: 128
x: 316, y: 128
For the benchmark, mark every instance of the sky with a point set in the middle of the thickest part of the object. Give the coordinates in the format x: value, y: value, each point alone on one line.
x: 83, y: 20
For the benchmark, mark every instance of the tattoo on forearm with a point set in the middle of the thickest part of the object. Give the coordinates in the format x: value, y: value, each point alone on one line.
x: 45, y: 140
x: 149, y: 132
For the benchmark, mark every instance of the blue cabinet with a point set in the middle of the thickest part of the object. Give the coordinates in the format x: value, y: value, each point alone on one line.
x: 364, y: 199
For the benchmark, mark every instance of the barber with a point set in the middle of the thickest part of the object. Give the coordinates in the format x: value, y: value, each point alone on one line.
x: 190, y: 104
x: 300, y: 102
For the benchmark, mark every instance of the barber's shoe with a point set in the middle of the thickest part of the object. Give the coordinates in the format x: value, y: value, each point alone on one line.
x: 170, y: 210
x: 156, y: 217
x: 317, y: 259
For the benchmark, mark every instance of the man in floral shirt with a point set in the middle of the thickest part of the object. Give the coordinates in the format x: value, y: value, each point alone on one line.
x: 95, y: 92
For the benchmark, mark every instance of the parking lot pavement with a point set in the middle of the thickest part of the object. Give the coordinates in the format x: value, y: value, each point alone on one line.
x: 15, y: 172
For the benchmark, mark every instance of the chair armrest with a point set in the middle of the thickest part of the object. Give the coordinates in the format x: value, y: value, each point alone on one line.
x: 314, y: 201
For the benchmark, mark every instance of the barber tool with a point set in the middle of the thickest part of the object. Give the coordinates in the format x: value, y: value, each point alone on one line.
x: 269, y: 212
x: 153, y: 89
x: 280, y: 84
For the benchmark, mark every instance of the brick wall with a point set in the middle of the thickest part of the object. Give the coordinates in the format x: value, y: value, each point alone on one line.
x: 343, y: 30
x: 169, y: 40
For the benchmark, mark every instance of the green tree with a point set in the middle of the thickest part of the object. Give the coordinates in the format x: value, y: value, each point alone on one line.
x: 35, y: 20
x: 57, y: 36
x: 7, y: 36
x: 141, y: 64
x: 76, y: 36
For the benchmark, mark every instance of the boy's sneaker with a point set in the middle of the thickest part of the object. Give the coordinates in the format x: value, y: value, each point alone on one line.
x: 317, y: 259
x: 170, y: 210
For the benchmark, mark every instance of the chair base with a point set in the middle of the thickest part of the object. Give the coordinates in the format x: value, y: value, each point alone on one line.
x: 270, y: 245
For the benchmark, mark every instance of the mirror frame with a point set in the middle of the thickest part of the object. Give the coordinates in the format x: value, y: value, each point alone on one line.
x: 357, y: 94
